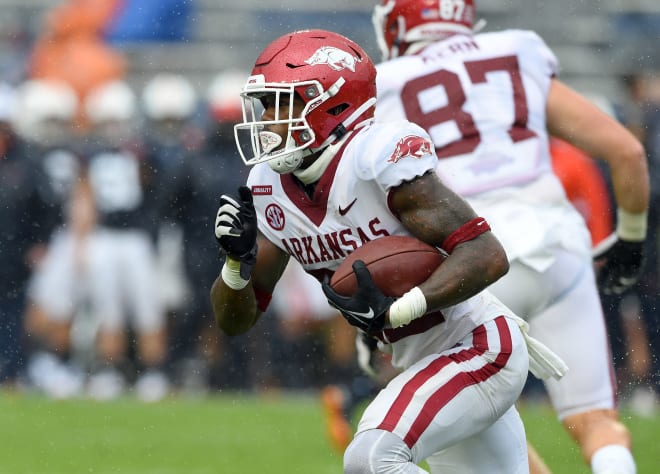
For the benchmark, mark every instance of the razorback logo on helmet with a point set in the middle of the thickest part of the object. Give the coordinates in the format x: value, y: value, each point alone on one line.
x: 336, y: 58
x: 410, y: 145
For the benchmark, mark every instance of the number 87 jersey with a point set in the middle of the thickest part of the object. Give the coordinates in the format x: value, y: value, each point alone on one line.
x: 482, y: 99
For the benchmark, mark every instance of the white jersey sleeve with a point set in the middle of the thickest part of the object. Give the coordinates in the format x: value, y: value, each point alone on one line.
x: 399, y: 143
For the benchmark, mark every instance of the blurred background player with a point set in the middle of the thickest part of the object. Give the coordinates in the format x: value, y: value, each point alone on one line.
x: 17, y: 197
x: 633, y: 322
x: 122, y: 279
x: 190, y: 174
x: 46, y: 116
x: 486, y: 100
x: 170, y: 136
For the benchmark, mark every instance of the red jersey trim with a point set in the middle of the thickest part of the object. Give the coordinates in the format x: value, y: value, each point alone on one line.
x: 316, y: 208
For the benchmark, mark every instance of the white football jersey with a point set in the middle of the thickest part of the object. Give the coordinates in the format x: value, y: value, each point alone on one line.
x: 350, y: 207
x: 482, y: 98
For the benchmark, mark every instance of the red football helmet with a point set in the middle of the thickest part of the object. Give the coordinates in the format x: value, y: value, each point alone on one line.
x: 399, y: 23
x: 332, y: 75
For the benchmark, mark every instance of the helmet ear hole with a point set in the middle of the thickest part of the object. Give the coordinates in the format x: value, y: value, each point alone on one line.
x: 393, y: 28
x: 338, y: 109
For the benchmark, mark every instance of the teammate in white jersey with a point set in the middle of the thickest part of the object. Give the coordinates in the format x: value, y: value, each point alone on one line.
x: 326, y: 179
x: 488, y: 101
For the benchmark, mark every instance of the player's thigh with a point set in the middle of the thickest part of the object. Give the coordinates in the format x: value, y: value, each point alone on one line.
x: 104, y: 280
x: 449, y: 397
x: 574, y: 328
x: 500, y: 448
x: 140, y: 281
x: 55, y: 283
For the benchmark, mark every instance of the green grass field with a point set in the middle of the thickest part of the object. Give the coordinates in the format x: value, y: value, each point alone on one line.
x: 225, y: 434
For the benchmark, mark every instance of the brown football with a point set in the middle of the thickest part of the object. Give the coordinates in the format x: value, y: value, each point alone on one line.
x: 396, y: 263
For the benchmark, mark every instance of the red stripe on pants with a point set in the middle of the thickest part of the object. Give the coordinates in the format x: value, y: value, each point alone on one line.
x: 448, y: 391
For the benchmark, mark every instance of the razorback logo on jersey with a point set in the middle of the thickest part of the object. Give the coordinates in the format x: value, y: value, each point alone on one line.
x: 333, y: 57
x: 411, y: 145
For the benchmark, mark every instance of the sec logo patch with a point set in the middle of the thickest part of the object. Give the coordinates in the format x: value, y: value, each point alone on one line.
x: 275, y: 216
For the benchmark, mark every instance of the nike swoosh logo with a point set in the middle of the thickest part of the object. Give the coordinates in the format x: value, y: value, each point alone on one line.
x: 343, y: 211
x: 367, y: 315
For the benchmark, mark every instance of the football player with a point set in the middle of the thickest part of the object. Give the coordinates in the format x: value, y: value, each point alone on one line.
x: 45, y: 118
x: 122, y: 261
x: 326, y: 179
x: 189, y: 176
x: 488, y: 101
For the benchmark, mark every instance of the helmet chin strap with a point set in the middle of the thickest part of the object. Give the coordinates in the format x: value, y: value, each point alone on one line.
x: 289, y: 162
x: 313, y: 172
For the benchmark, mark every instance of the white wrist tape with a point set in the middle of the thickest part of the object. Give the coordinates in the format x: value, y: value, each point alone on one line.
x: 231, y: 274
x: 410, y: 306
x: 629, y: 226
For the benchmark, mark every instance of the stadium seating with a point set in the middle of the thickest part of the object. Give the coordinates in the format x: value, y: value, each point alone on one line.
x: 593, y: 39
